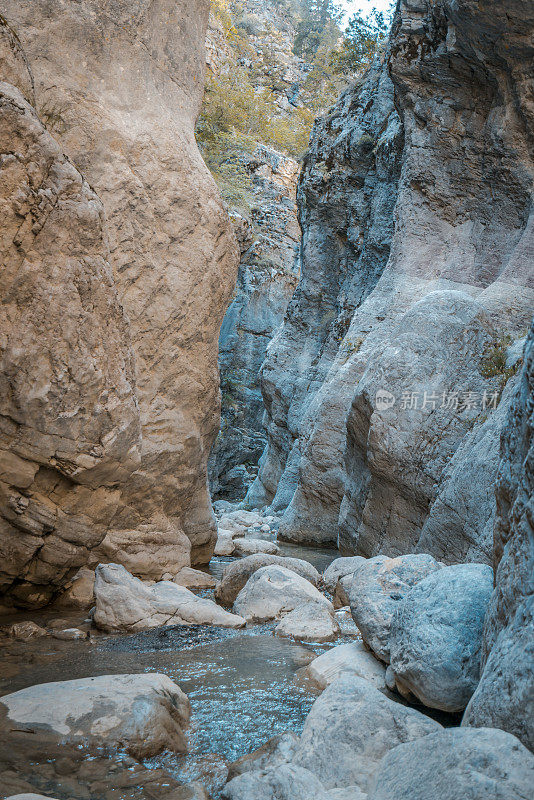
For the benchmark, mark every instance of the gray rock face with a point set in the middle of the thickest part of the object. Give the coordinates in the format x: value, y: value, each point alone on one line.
x: 340, y: 568
x: 267, y: 278
x: 505, y: 695
x: 142, y: 713
x: 377, y: 587
x: 350, y: 728
x: 436, y: 635
x: 124, y: 603
x: 273, y: 591
x: 344, y: 249
x: 120, y: 90
x: 237, y: 573
x: 407, y: 287
x: 454, y: 764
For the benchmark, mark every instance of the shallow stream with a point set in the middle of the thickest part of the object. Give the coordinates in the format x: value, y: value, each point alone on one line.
x: 241, y: 684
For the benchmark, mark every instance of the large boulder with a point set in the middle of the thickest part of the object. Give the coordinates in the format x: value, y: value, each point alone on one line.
x: 249, y: 547
x: 142, y: 713
x: 236, y: 575
x: 339, y: 568
x: 194, y: 579
x: 436, y: 636
x: 504, y: 697
x: 80, y: 592
x: 273, y: 591
x: 377, y: 587
x: 310, y: 622
x: 126, y: 603
x: 456, y: 764
x: 287, y: 782
x: 352, y: 658
x: 350, y: 727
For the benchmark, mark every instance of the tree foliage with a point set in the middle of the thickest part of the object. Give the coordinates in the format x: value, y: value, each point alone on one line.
x: 362, y: 39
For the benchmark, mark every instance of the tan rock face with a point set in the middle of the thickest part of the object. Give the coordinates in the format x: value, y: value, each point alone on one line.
x: 119, y: 86
x: 69, y: 423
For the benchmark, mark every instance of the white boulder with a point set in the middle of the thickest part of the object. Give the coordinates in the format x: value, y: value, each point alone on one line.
x: 237, y: 573
x: 349, y: 729
x: 273, y: 591
x: 436, y: 636
x: 352, y: 658
x: 311, y: 622
x: 249, y: 547
x: 126, y: 603
x: 377, y: 586
x: 457, y: 764
x: 142, y: 713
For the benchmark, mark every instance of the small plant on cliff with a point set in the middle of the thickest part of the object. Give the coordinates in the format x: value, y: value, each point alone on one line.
x: 493, y: 362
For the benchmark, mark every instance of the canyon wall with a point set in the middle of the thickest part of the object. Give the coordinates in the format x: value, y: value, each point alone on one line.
x: 504, y: 697
x: 267, y: 277
x: 120, y: 264
x: 387, y: 388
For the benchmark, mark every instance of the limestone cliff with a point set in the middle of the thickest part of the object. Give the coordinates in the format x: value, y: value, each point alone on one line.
x: 267, y: 277
x: 260, y: 102
x: 505, y: 695
x: 114, y: 300
x: 415, y: 204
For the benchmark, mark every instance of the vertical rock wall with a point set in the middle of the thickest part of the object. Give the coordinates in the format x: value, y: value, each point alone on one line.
x: 415, y: 203
x: 267, y: 277
x: 505, y: 695
x: 119, y: 86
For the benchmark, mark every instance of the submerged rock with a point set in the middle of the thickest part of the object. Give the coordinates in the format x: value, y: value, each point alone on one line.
x: 352, y: 658
x: 377, y: 587
x: 310, y: 622
x: 273, y: 591
x: 126, y: 603
x: 236, y: 575
x: 456, y: 764
x: 25, y: 631
x: 436, y: 636
x: 142, y: 713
